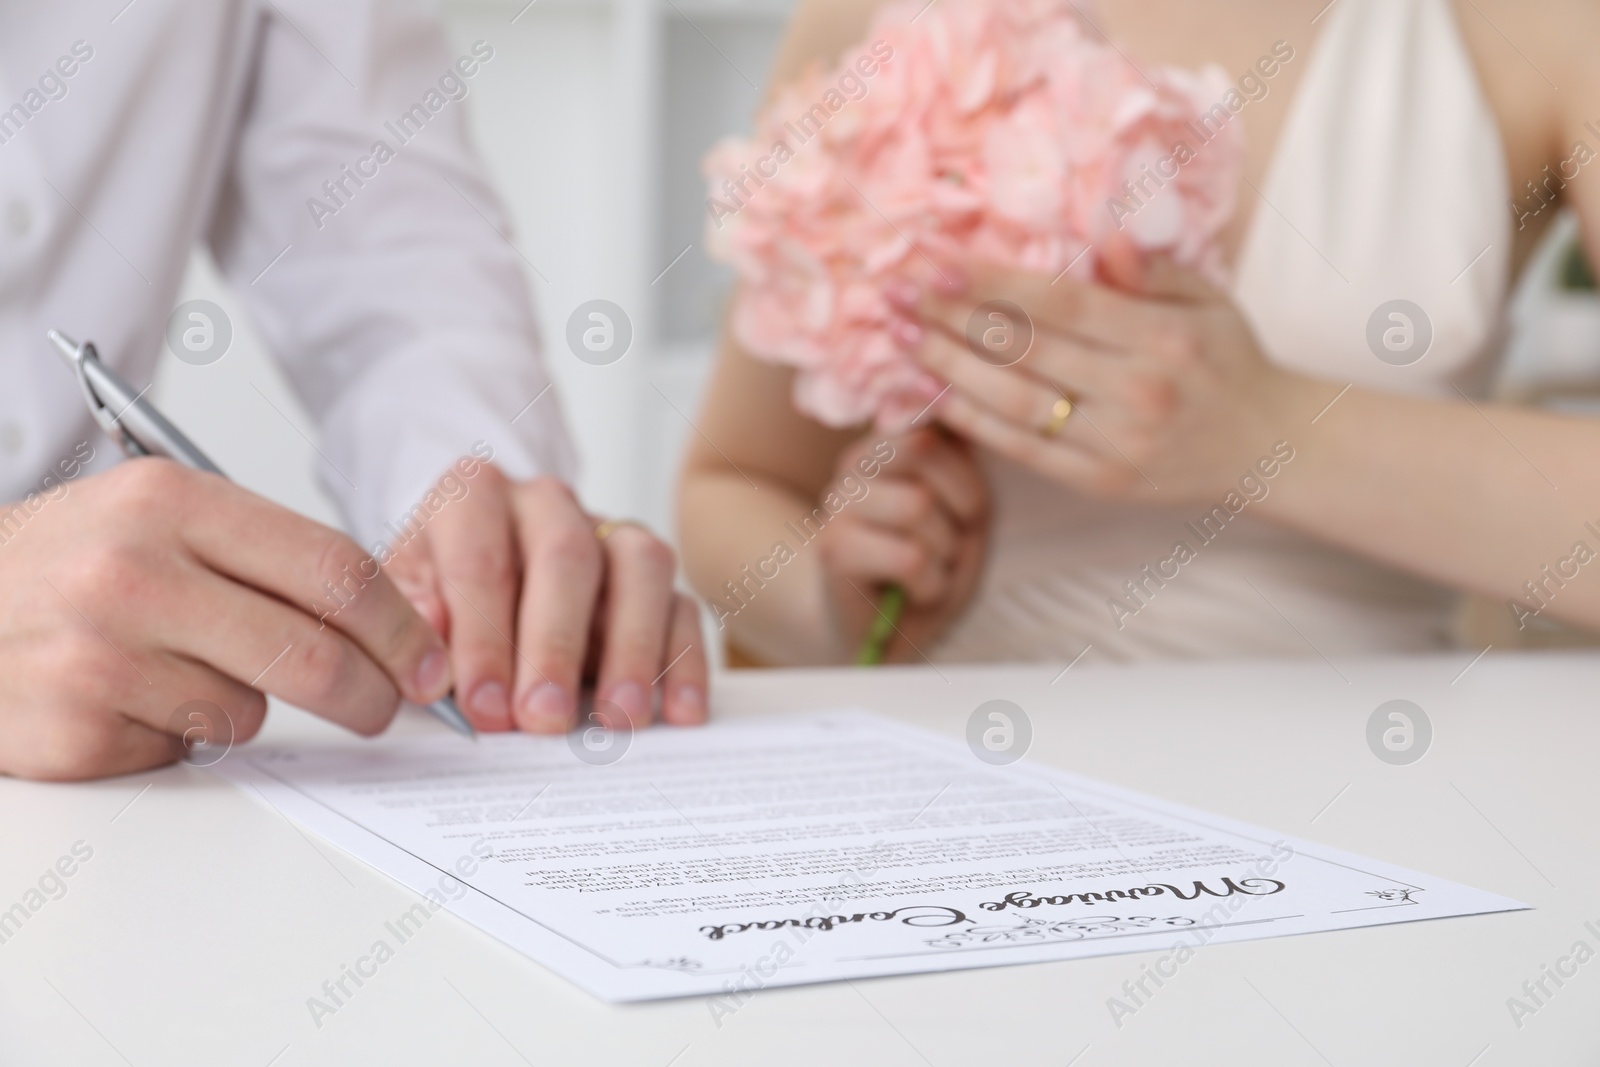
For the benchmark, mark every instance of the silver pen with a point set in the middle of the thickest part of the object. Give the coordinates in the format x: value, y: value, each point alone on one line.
x: 141, y: 430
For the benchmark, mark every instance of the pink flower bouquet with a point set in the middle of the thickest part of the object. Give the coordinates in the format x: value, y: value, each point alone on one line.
x: 966, y: 131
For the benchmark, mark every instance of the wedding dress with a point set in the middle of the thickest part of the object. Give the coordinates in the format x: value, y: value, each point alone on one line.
x: 1387, y: 184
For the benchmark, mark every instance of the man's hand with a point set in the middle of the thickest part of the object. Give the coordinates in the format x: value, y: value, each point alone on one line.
x: 129, y: 594
x: 533, y: 603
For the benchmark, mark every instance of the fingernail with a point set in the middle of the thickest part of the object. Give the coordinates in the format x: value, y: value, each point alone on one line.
x: 902, y: 292
x: 907, y: 333
x: 492, y: 705
x: 433, y: 674
x: 633, y: 700
x: 689, y: 703
x: 548, y: 707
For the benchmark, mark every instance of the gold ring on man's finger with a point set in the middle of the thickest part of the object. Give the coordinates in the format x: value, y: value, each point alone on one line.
x: 607, y: 527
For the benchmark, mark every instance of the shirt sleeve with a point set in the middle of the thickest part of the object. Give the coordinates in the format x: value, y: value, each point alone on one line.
x: 355, y: 218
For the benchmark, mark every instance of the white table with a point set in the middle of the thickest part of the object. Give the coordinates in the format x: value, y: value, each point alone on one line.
x: 203, y: 920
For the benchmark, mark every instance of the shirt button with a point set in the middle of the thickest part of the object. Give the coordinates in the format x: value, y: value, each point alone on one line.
x: 11, y: 439
x: 19, y: 220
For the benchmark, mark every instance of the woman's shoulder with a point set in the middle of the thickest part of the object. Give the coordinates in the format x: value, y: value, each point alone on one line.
x: 1536, y: 64
x: 1536, y: 61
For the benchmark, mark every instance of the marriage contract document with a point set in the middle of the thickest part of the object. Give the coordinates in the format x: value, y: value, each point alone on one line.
x: 810, y: 848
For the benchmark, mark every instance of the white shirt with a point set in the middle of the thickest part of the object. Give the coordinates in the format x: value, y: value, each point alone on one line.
x: 319, y: 148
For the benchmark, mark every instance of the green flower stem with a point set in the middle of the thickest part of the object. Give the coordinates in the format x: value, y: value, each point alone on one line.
x: 890, y: 607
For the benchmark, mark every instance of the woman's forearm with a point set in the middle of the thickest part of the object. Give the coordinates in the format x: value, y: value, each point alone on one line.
x: 1499, y: 500
x: 769, y: 600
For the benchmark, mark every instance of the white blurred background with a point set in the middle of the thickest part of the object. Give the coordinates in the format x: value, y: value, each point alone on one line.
x: 592, y: 120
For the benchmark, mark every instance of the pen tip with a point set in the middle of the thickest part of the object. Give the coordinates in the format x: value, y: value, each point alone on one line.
x: 447, y: 709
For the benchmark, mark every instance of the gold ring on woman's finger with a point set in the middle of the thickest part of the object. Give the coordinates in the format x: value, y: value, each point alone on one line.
x: 1060, y: 412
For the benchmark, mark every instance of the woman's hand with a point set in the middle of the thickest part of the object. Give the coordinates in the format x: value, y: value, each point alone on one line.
x: 1168, y: 389
x: 921, y: 521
